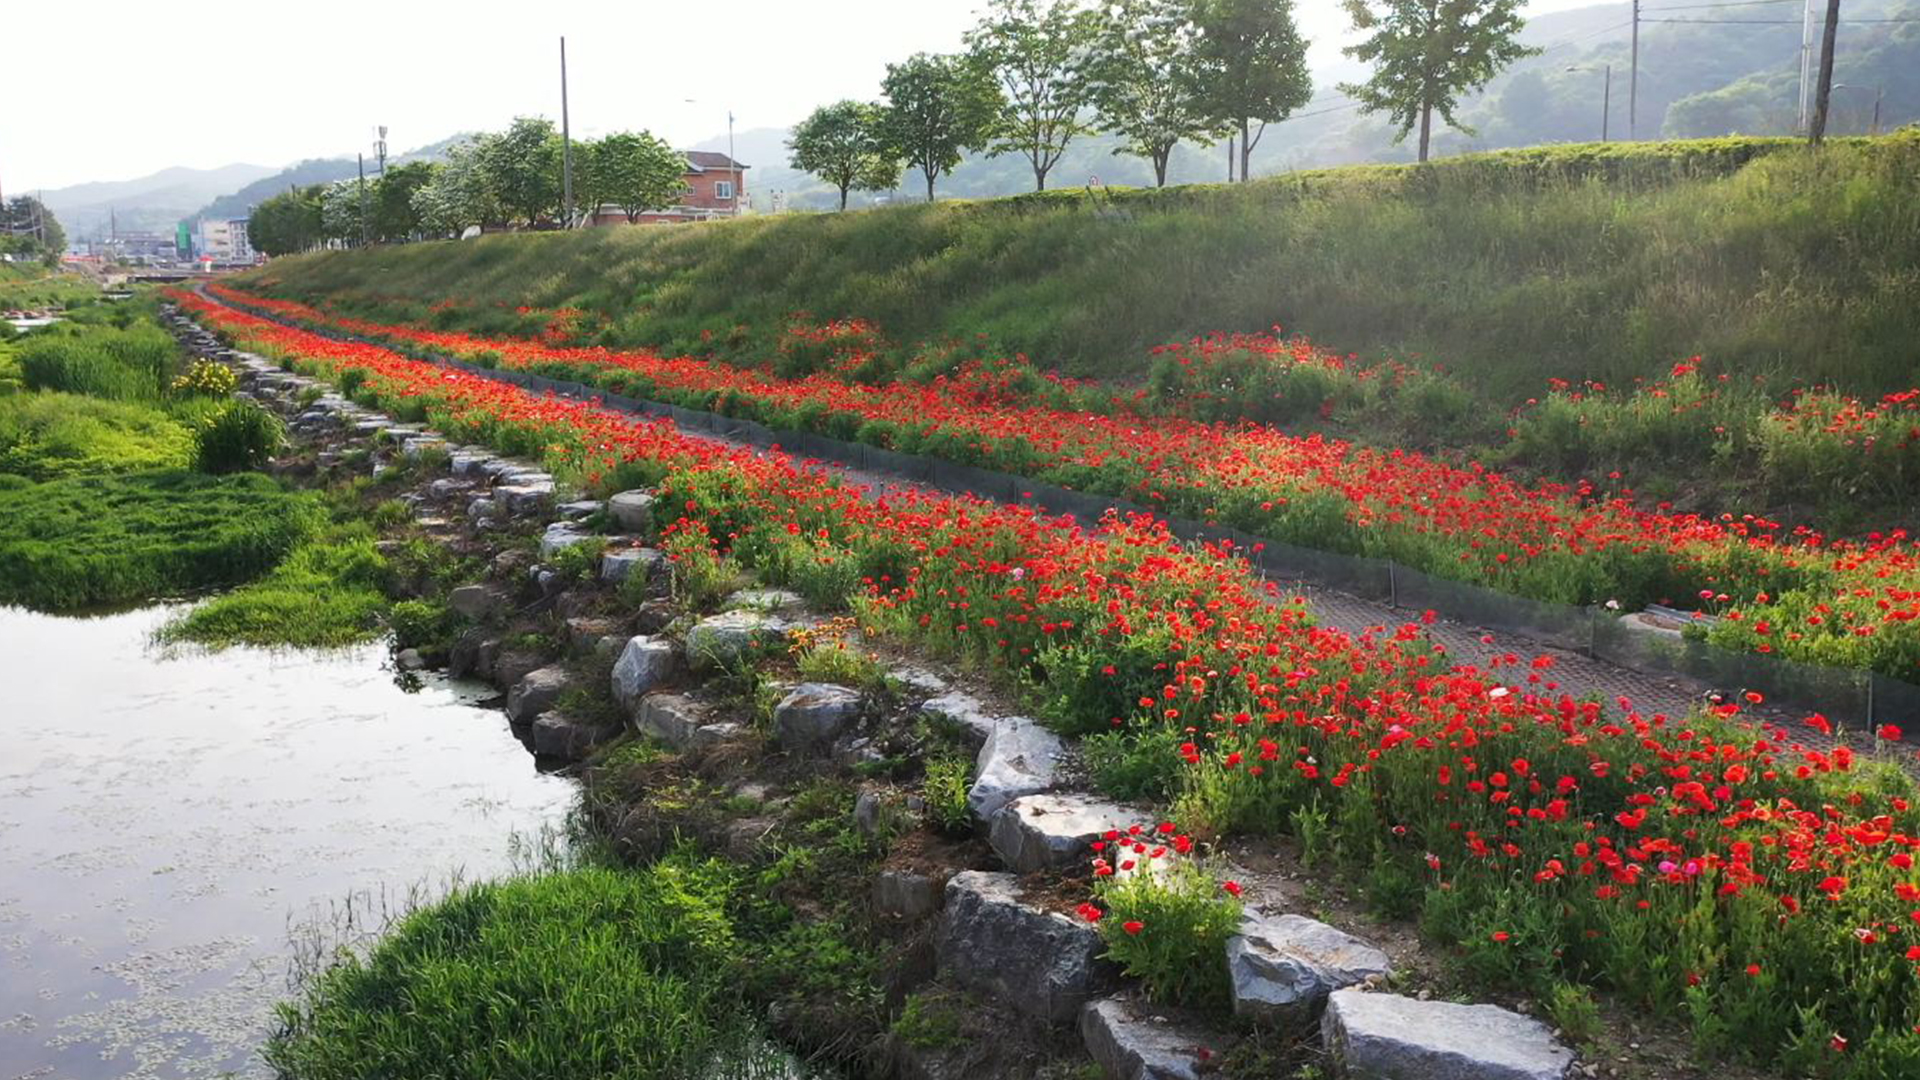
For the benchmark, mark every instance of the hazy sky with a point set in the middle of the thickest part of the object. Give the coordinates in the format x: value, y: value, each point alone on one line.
x: 115, y: 89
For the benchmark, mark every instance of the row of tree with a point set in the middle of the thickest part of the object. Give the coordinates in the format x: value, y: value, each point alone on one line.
x: 512, y: 177
x: 1037, y: 73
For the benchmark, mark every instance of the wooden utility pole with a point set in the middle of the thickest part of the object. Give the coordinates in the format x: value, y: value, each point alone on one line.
x: 1818, y: 128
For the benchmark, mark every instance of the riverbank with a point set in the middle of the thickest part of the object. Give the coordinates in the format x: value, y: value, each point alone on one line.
x: 728, y: 779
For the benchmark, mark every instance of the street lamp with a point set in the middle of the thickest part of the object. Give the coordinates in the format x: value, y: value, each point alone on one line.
x: 733, y: 166
x: 1878, y: 93
x: 1606, y: 94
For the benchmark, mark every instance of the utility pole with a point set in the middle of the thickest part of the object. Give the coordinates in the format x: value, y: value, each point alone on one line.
x: 1819, y: 128
x: 1229, y: 159
x: 566, y: 146
x: 1606, y: 103
x: 1633, y: 80
x: 360, y: 163
x: 1806, y: 67
x: 733, y: 166
x: 380, y: 149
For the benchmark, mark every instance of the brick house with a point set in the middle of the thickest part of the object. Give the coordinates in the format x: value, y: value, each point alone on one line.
x: 716, y: 188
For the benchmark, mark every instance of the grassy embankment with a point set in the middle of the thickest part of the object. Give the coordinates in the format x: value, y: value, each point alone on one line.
x: 120, y: 482
x: 1583, y: 262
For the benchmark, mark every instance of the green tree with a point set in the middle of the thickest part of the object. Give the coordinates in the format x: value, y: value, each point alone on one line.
x: 344, y: 210
x: 1139, y: 79
x: 27, y: 227
x: 636, y: 171
x: 1034, y: 53
x: 394, y: 215
x: 286, y: 223
x: 843, y: 144
x: 522, y: 168
x: 458, y: 195
x: 1426, y: 53
x: 1249, y: 67
x: 938, y: 107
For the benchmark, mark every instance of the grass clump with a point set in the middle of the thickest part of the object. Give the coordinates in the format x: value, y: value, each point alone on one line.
x: 326, y: 594
x: 583, y: 973
x: 240, y: 437
x: 85, y: 541
x: 46, y: 436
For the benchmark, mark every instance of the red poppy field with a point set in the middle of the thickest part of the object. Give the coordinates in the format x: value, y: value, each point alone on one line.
x: 1702, y: 866
x: 1776, y: 588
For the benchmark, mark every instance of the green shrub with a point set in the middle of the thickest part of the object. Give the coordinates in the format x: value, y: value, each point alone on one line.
x: 1168, y: 928
x: 945, y: 791
x: 239, y: 438
x: 206, y: 378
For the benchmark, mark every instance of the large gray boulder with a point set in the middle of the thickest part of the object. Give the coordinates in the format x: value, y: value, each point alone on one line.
x: 1019, y: 758
x: 681, y: 722
x: 557, y: 735
x: 1051, y: 832
x: 1390, y: 1037
x: 1281, y: 968
x: 619, y: 564
x: 645, y: 662
x: 1129, y: 1041
x: 536, y: 692
x: 632, y: 511
x: 1041, y: 963
x: 770, y: 601
x: 813, y: 714
x: 730, y: 638
x: 905, y: 894
x: 477, y: 601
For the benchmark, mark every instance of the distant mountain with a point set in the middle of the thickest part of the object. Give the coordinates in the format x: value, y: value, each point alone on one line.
x: 1704, y: 71
x: 146, y: 204
x: 235, y: 204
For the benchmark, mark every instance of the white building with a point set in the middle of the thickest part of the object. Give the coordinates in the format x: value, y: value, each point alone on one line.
x: 225, y: 240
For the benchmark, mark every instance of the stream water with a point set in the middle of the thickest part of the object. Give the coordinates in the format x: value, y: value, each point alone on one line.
x: 168, y: 821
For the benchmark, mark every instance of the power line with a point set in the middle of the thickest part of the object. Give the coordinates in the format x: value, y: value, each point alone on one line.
x: 1728, y: 4
x: 1775, y: 22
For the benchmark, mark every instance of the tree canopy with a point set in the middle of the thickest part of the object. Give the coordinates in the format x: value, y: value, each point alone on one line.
x: 844, y: 144
x: 937, y: 107
x: 1036, y: 54
x: 1427, y: 53
x: 1139, y: 76
x: 1249, y: 65
x: 635, y: 171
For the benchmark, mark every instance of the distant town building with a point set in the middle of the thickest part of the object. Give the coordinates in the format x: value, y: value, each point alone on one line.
x: 225, y: 240
x: 716, y: 188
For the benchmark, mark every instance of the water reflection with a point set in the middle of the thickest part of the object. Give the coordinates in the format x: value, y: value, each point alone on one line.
x: 164, y: 818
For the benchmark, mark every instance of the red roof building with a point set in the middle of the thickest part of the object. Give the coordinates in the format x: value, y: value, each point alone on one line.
x: 716, y: 188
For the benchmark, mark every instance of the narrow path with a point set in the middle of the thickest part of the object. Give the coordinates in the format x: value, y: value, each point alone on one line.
x: 1571, y: 672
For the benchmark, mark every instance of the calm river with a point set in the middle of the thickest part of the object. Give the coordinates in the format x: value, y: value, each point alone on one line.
x: 165, y: 820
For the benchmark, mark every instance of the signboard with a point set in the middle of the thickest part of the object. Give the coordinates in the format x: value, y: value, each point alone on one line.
x: 182, y: 240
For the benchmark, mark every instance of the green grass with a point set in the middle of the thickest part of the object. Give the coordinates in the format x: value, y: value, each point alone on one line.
x: 1585, y: 262
x: 327, y: 594
x: 581, y: 974
x: 44, y: 436
x: 95, y: 540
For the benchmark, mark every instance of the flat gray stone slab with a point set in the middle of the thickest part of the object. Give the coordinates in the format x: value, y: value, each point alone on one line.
x: 964, y: 711
x: 1390, y: 1037
x: 1020, y: 758
x: 681, y: 722
x: 562, y: 535
x: 1051, y: 832
x: 772, y: 601
x: 1042, y: 963
x: 528, y: 498
x: 1129, y: 1041
x: 1282, y: 967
